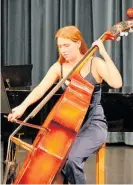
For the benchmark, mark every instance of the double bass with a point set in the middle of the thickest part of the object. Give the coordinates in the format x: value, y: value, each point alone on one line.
x: 48, y: 153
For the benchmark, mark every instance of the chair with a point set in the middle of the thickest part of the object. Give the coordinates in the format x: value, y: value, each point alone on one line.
x: 100, y: 165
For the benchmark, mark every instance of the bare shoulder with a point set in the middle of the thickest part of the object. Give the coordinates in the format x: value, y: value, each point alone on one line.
x: 99, y: 62
x: 96, y: 60
x: 56, y: 67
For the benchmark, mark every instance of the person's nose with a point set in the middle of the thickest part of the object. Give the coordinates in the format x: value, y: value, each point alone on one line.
x: 63, y: 49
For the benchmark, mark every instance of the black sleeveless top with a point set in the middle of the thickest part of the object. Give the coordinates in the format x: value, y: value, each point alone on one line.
x: 96, y: 97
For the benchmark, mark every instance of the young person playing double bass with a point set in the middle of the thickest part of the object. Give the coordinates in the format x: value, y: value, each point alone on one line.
x: 93, y: 132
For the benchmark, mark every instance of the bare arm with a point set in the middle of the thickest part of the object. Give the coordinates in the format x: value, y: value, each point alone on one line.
x: 106, y: 68
x: 50, y: 78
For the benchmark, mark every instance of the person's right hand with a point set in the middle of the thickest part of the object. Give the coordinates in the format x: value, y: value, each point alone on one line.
x: 17, y: 112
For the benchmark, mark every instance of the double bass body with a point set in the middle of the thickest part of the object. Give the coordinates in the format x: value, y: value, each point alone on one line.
x: 51, y: 146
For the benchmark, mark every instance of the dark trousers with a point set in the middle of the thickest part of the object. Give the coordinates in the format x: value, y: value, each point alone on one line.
x: 86, y: 143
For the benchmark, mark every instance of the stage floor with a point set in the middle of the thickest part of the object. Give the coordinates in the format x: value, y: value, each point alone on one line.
x: 118, y: 165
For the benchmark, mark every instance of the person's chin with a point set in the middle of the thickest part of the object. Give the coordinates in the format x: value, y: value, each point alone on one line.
x: 66, y: 57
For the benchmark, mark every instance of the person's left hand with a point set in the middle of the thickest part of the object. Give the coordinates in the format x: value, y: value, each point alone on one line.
x: 100, y: 45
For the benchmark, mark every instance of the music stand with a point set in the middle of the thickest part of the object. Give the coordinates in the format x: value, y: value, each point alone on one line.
x: 5, y: 106
x: 17, y: 75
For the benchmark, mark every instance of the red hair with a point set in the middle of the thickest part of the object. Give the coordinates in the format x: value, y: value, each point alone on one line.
x: 72, y: 33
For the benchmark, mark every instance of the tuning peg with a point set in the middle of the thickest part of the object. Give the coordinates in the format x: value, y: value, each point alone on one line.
x: 126, y: 33
x: 130, y: 30
x: 118, y: 38
x: 122, y: 33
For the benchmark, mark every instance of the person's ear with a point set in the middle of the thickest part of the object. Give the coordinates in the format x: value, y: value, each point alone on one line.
x: 78, y: 43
